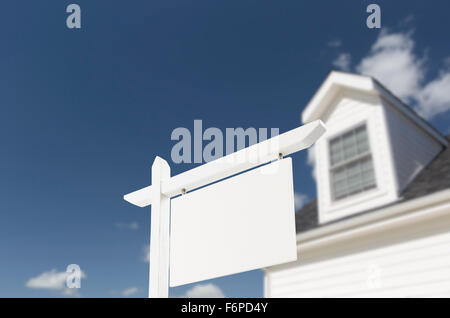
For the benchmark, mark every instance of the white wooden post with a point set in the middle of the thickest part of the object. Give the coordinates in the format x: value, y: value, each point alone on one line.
x: 159, y: 232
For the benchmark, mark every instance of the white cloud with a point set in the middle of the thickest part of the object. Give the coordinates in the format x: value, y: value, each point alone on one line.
x: 407, y: 21
x: 311, y: 160
x: 54, y: 281
x: 127, y: 226
x: 335, y: 43
x: 205, y: 291
x: 300, y: 200
x: 434, y: 98
x: 343, y: 61
x: 447, y: 62
x: 146, y: 253
x: 394, y: 63
x: 130, y: 291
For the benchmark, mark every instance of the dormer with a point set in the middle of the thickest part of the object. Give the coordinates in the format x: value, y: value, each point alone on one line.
x: 373, y: 148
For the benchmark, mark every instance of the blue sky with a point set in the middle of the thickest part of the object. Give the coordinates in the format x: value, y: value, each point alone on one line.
x: 84, y: 112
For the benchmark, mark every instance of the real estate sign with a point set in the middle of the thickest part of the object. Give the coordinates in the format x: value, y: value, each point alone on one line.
x: 242, y: 223
x: 226, y: 221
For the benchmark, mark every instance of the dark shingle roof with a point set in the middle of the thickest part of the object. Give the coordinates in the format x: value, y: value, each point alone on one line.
x: 307, y: 218
x: 434, y: 177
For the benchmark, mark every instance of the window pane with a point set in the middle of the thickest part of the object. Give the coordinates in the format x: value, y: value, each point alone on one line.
x: 353, y: 168
x: 339, y: 174
x: 336, y: 158
x: 340, y: 189
x: 366, y: 164
x: 336, y: 151
x: 352, y: 174
x: 368, y: 179
x: 361, y: 140
x: 349, y: 145
x: 353, y: 178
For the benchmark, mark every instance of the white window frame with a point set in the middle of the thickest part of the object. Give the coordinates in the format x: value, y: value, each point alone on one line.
x: 359, y: 157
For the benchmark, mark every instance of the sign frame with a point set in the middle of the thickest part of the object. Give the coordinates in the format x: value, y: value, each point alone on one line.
x: 165, y: 187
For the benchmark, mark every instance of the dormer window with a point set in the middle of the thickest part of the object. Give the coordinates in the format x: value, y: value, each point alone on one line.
x: 351, y: 166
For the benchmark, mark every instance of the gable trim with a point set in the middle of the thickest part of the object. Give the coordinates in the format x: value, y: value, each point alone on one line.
x: 338, y: 81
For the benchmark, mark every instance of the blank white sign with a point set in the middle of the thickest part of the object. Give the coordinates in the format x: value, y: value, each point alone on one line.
x: 239, y: 224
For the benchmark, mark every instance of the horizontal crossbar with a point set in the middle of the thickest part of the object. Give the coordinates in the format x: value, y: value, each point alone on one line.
x: 287, y: 143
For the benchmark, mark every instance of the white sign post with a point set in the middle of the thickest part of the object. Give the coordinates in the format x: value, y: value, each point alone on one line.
x: 192, y: 226
x: 159, y: 232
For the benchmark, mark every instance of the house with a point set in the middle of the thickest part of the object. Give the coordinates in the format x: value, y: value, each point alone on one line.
x: 380, y: 226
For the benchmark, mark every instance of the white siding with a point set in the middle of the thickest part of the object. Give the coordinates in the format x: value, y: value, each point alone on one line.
x: 412, y: 261
x: 412, y: 147
x: 348, y: 110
